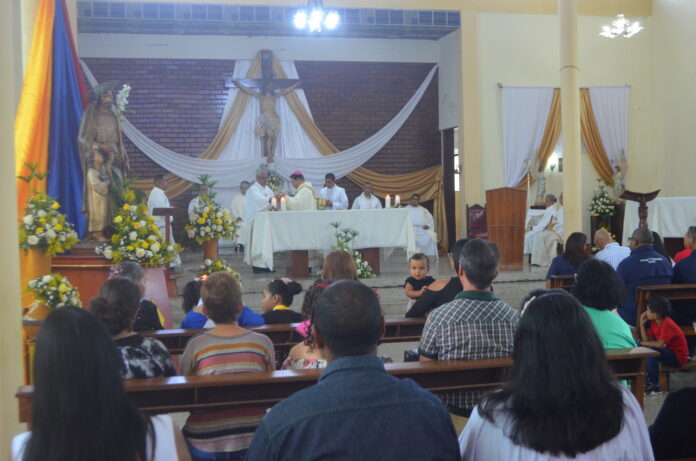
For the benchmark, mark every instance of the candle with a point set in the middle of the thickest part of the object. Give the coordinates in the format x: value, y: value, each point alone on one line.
x: 397, y: 201
x: 283, y: 204
x: 274, y: 203
x: 387, y: 202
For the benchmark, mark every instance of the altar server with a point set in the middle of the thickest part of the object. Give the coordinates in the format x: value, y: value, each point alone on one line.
x: 335, y: 196
x: 366, y: 201
x: 304, y: 198
x: 237, y: 206
x: 424, y: 227
x: 158, y: 199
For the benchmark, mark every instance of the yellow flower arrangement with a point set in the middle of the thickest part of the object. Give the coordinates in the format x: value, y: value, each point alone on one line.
x: 54, y: 290
x: 44, y: 228
x: 210, y: 266
x: 209, y: 220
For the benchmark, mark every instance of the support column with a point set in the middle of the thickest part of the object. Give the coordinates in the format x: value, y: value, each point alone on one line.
x: 570, y: 116
x: 10, y: 308
x: 469, y: 133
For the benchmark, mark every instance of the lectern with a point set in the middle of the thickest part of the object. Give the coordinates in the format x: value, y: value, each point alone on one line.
x: 505, y: 209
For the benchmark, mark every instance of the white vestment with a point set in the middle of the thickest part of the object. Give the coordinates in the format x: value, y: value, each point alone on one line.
x: 364, y: 203
x: 337, y: 195
x: 543, y: 223
x: 303, y: 200
x: 425, y: 238
x: 158, y: 199
x: 193, y: 204
x: 256, y: 199
x: 544, y: 242
x: 237, y: 207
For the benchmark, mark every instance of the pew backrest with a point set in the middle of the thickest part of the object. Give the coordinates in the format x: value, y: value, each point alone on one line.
x: 678, y: 292
x: 564, y: 282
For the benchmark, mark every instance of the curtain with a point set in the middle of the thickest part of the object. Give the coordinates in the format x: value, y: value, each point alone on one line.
x: 610, y: 108
x: 593, y: 141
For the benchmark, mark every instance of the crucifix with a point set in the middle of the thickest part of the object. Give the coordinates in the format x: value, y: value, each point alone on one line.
x: 267, y: 89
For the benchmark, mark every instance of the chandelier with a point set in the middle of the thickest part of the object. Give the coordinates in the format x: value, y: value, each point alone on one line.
x: 315, y: 17
x: 621, y: 27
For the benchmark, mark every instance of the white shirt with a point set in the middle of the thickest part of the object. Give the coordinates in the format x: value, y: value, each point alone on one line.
x: 613, y: 254
x: 193, y: 204
x: 157, y: 199
x: 237, y: 207
x: 337, y: 195
x: 256, y: 199
x: 363, y: 203
x: 304, y: 198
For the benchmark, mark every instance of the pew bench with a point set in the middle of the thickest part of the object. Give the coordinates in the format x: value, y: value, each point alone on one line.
x: 187, y: 393
x: 563, y: 282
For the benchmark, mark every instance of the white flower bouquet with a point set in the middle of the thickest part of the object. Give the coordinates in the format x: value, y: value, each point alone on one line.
x: 54, y: 290
x: 210, y: 266
x: 209, y: 220
x: 601, y: 204
x: 343, y: 238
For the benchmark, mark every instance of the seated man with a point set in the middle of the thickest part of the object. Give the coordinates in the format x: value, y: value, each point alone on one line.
x: 304, y: 198
x: 546, y: 219
x: 476, y: 325
x: 335, y: 196
x: 545, y: 243
x: 684, y: 312
x: 356, y: 410
x: 366, y: 201
x: 424, y: 227
x: 644, y: 266
x: 610, y: 252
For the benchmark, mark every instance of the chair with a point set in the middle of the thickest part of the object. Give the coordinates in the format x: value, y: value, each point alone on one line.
x: 476, y: 225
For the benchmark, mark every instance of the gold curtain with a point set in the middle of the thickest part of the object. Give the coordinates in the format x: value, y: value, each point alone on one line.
x: 593, y: 141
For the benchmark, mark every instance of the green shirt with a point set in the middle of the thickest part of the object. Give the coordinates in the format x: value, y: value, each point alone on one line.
x: 612, y: 330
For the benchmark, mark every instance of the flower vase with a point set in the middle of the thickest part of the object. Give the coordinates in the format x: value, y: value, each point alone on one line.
x: 210, y: 249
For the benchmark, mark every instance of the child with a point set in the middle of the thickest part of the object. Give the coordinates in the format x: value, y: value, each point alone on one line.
x: 305, y: 355
x: 277, y: 298
x: 227, y: 348
x: 418, y: 282
x: 665, y: 337
x: 196, y: 318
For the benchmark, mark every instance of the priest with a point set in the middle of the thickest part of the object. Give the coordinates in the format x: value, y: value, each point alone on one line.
x: 424, y: 227
x: 546, y: 219
x: 237, y: 205
x: 304, y: 198
x: 366, y: 201
x: 158, y: 199
x: 258, y: 198
x: 335, y: 196
x: 196, y: 200
x: 544, y: 243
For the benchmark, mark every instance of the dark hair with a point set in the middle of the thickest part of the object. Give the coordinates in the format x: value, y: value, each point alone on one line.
x: 660, y: 306
x: 574, y: 251
x: 457, y: 251
x: 479, y: 262
x: 349, y: 318
x: 244, y: 182
x: 296, y: 176
x: 419, y: 257
x: 561, y: 396
x: 191, y: 295
x: 659, y: 245
x: 597, y: 285
x: 221, y: 297
x: 643, y: 236
x: 310, y: 301
x: 330, y: 176
x: 130, y: 270
x: 80, y: 410
x: 286, y: 289
x: 339, y: 265
x: 117, y: 304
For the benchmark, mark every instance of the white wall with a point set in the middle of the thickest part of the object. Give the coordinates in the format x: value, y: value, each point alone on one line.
x: 449, y: 62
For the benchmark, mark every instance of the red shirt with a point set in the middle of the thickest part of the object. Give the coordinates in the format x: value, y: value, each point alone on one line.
x: 685, y: 253
x: 673, y: 336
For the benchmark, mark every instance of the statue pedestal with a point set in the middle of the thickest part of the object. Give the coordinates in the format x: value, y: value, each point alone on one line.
x: 85, y: 269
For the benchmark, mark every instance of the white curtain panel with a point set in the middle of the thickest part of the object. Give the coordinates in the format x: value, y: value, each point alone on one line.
x: 525, y: 112
x: 610, y: 108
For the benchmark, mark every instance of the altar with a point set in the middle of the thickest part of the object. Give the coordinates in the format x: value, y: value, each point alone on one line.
x: 274, y: 231
x: 668, y: 216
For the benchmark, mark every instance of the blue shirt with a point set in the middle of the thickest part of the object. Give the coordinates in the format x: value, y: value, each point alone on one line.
x: 684, y: 312
x: 247, y: 318
x: 560, y: 266
x: 644, y: 266
x: 357, y: 411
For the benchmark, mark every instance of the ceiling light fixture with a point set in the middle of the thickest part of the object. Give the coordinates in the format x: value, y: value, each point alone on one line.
x: 621, y: 27
x: 315, y: 17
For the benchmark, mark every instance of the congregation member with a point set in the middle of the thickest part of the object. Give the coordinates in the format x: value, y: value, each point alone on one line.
x: 573, y: 256
x: 334, y: 195
x: 644, y: 266
x: 304, y: 198
x: 689, y: 244
x: 476, y: 325
x: 672, y: 433
x: 545, y: 242
x: 339, y: 265
x: 561, y: 400
x: 227, y: 348
x: 419, y: 280
x: 423, y: 226
x: 258, y: 198
x: 148, y: 317
x: 80, y: 409
x: 600, y: 290
x: 116, y: 308
x: 237, y: 205
x: 158, y: 199
x: 659, y: 245
x: 441, y: 291
x: 306, y: 355
x: 356, y: 410
x: 366, y: 201
x: 609, y: 251
x: 277, y: 299
x: 546, y: 219
x: 195, y: 310
x: 684, y: 312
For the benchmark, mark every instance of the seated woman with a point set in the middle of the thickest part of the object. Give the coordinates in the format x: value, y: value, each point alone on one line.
x: 305, y: 355
x: 277, y: 298
x: 116, y: 308
x: 80, y: 409
x: 441, y: 291
x: 600, y: 290
x: 573, y: 256
x: 561, y: 400
x: 339, y: 265
x: 149, y: 317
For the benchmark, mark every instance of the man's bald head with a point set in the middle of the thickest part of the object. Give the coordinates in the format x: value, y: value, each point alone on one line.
x: 603, y: 238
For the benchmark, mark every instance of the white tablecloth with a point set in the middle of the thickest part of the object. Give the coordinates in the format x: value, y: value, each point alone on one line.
x: 669, y: 216
x: 311, y: 230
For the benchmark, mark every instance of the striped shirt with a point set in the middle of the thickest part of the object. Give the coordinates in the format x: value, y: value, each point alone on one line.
x: 229, y: 430
x: 613, y: 254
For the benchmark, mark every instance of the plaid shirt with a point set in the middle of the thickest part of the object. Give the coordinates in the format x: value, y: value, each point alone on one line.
x: 476, y: 325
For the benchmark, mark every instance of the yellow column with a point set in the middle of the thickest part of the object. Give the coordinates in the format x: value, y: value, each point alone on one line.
x: 469, y: 133
x: 11, y: 325
x: 570, y: 116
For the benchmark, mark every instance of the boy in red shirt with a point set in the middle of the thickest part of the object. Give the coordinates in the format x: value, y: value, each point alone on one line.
x: 663, y: 336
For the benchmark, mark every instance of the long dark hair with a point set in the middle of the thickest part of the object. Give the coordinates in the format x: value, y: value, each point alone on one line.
x: 310, y: 300
x: 561, y: 398
x: 574, y: 251
x: 285, y: 288
x: 117, y: 304
x: 80, y: 410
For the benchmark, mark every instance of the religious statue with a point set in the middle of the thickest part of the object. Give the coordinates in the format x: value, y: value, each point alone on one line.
x: 620, y: 171
x: 96, y: 203
x: 536, y: 171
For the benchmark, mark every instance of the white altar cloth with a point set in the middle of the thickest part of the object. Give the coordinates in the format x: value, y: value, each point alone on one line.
x: 274, y: 231
x: 668, y: 216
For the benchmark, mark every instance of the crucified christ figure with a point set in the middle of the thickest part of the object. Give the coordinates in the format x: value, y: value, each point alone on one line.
x: 268, y: 124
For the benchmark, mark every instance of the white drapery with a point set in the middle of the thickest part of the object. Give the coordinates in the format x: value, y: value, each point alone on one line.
x: 525, y: 111
x: 610, y: 108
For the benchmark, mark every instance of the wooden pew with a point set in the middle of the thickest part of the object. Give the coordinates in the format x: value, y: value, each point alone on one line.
x: 564, y: 282
x: 680, y: 292
x: 180, y: 393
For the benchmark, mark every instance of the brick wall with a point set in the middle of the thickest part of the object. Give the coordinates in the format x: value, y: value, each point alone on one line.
x: 179, y: 103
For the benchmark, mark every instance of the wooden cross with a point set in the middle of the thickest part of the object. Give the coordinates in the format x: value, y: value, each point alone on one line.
x: 267, y: 76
